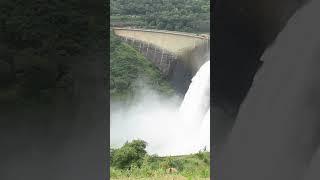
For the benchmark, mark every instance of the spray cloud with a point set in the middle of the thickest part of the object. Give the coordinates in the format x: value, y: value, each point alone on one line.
x: 169, y: 125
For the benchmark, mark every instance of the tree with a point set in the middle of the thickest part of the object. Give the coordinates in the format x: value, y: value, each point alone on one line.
x: 130, y: 154
x: 164, y: 14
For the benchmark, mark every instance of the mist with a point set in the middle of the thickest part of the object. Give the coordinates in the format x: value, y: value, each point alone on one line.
x: 162, y: 122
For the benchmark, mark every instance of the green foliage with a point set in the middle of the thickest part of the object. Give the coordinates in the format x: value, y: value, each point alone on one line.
x: 170, y: 162
x: 194, y: 166
x: 177, y: 15
x: 151, y: 161
x: 130, y: 155
x: 128, y: 67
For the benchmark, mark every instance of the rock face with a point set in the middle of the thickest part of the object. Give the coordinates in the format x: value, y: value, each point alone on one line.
x: 277, y: 129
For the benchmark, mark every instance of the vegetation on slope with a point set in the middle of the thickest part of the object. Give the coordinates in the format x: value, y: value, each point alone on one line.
x: 132, y: 162
x: 128, y: 68
x: 176, y: 15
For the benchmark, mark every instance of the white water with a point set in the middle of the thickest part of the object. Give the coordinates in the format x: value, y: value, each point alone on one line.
x: 169, y: 128
x: 194, y: 112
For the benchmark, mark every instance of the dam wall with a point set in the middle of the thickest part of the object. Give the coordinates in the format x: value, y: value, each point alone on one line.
x: 161, y: 58
x: 172, y: 41
x: 177, y: 55
x: 194, y: 57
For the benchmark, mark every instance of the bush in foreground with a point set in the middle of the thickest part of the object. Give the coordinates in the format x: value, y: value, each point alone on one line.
x: 129, y: 155
x: 132, y: 161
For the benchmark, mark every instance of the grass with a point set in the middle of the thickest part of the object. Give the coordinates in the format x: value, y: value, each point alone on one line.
x: 194, y: 166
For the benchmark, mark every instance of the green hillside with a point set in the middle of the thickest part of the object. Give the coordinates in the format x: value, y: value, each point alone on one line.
x: 128, y: 68
x: 175, y: 15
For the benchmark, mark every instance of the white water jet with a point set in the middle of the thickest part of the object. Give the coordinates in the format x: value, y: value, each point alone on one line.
x: 194, y: 112
x: 196, y: 102
x: 168, y: 128
x: 205, y: 131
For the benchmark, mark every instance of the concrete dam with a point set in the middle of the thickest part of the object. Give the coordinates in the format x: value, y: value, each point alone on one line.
x: 183, y: 58
x: 177, y: 55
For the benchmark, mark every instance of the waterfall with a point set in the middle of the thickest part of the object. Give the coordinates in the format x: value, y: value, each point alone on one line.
x: 197, y: 99
x: 167, y: 125
x: 194, y: 112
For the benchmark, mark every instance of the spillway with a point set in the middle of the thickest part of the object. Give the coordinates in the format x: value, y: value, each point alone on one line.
x: 169, y: 126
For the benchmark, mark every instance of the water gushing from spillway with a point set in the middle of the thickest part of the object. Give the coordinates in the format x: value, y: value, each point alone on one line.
x: 167, y: 125
x: 194, y: 112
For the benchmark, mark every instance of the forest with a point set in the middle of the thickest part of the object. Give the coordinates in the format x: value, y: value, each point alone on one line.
x: 174, y: 15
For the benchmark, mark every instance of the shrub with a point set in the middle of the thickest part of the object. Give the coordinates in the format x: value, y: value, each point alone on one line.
x: 151, y: 161
x: 200, y: 155
x: 169, y: 162
x: 130, y: 154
